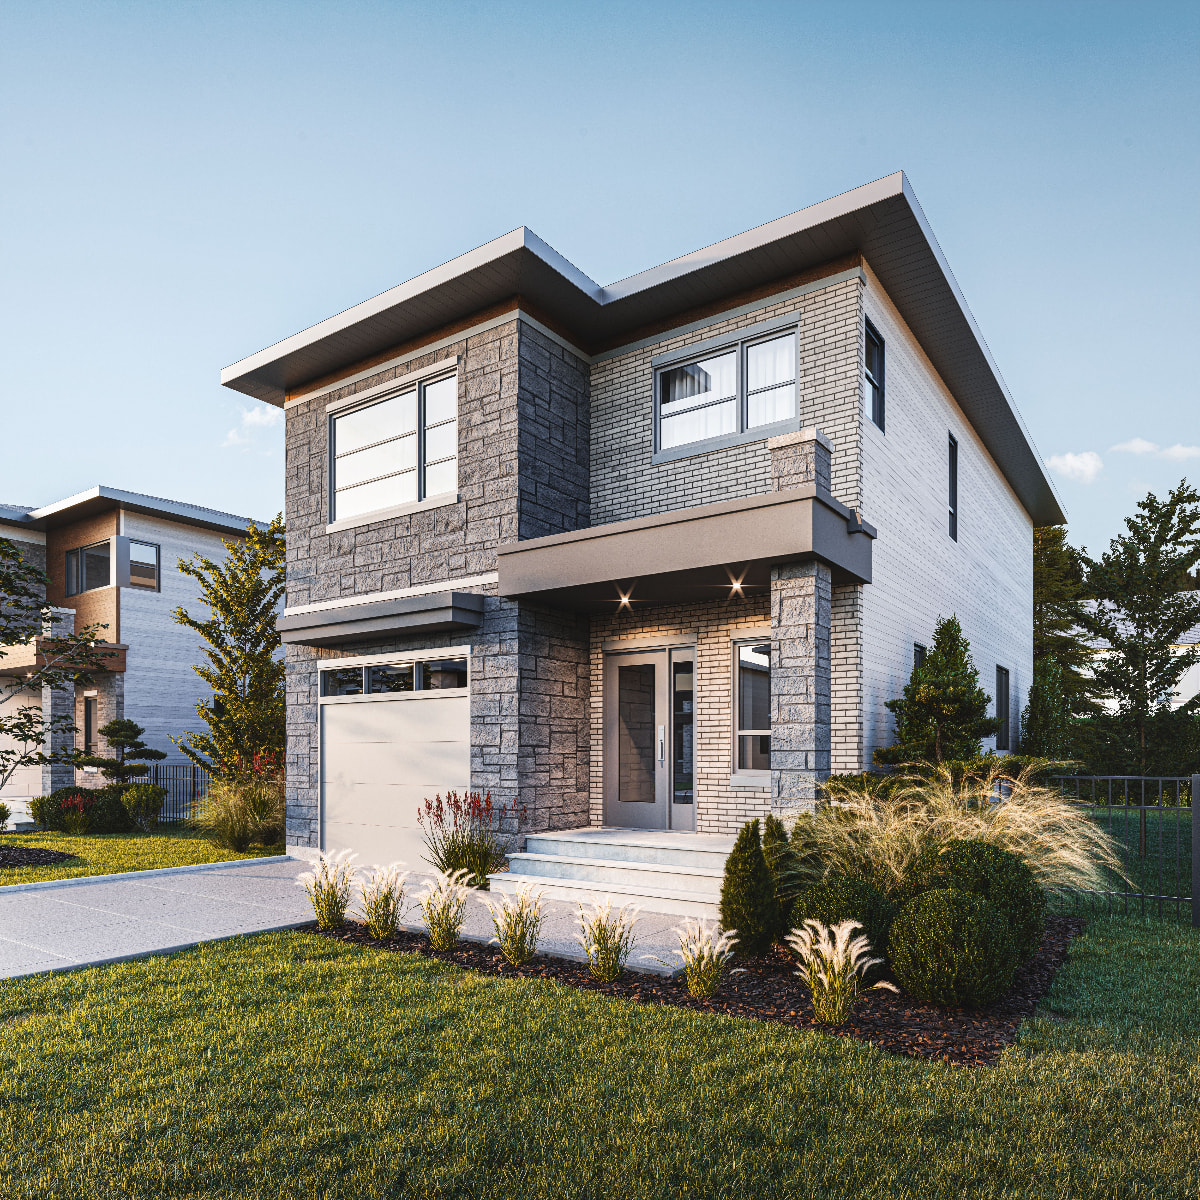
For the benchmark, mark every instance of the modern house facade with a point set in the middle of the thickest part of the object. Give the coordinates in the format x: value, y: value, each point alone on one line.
x: 644, y: 557
x: 112, y: 559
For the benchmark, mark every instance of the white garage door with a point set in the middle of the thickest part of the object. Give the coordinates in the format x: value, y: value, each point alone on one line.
x: 380, y: 758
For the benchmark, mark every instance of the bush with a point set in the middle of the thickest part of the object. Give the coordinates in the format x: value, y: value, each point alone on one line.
x: 843, y: 898
x: 781, y: 862
x: 5, y: 813
x: 467, y: 832
x: 748, y: 895
x: 101, y: 811
x: 951, y: 947
x: 243, y: 810
x: 143, y: 802
x: 42, y: 809
x: 997, y: 875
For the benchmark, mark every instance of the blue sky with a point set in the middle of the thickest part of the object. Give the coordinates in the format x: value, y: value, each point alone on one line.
x: 184, y: 184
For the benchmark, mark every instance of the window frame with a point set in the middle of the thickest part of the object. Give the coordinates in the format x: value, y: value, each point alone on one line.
x: 952, y: 490
x: 413, y: 383
x: 141, y: 587
x: 761, y: 776
x: 878, y: 412
x: 920, y: 654
x: 81, y: 568
x: 415, y: 659
x: 1004, y: 733
x: 739, y: 342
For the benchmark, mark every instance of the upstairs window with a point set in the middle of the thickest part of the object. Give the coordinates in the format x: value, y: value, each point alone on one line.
x: 88, y: 568
x: 1002, y: 709
x: 143, y: 565
x: 920, y: 653
x: 395, y: 451
x: 952, y: 464
x: 873, y: 375
x: 748, y: 385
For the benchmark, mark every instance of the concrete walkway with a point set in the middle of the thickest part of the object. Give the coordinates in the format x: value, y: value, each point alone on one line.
x: 71, y: 923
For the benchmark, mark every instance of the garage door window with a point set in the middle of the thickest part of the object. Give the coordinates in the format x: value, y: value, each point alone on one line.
x: 436, y: 674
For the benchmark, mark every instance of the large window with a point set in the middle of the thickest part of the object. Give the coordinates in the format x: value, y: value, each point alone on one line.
x: 374, y: 679
x: 873, y: 375
x: 749, y: 385
x: 88, y: 568
x: 753, y: 734
x: 143, y: 565
x: 952, y: 465
x: 395, y: 451
x: 1003, y: 737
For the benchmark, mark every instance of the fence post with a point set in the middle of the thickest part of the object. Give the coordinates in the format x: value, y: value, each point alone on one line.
x: 1196, y: 851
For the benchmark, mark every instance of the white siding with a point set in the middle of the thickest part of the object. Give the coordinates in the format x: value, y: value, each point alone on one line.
x: 26, y: 782
x: 920, y: 573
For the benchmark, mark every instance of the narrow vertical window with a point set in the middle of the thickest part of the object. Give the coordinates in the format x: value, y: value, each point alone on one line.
x: 953, y: 494
x: 919, y: 653
x: 1002, y: 709
x: 873, y: 376
x: 753, y: 731
x: 72, y: 580
x: 89, y: 724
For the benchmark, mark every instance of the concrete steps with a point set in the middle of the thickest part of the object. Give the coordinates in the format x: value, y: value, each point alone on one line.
x: 659, y: 871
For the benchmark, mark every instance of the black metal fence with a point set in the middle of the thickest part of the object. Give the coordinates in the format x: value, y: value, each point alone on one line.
x: 186, y: 784
x: 1152, y: 821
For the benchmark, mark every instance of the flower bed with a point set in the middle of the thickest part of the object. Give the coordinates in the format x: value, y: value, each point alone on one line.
x: 30, y: 856
x: 768, y: 990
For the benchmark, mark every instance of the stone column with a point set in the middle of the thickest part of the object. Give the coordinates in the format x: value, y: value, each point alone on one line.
x: 58, y: 702
x: 801, y: 595
x: 801, y: 458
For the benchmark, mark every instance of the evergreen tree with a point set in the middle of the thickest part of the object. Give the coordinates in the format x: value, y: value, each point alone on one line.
x: 245, y: 718
x: 943, y: 712
x: 748, y: 895
x: 1138, y: 618
x: 132, y: 754
x: 781, y: 862
x: 1046, y: 721
x: 1058, y: 588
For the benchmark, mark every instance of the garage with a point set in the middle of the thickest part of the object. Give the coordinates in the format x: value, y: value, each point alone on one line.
x: 392, y: 733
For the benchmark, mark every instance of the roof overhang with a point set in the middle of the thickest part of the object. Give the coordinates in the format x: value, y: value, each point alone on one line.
x: 882, y: 221
x: 101, y: 499
x: 346, y: 623
x: 710, y: 552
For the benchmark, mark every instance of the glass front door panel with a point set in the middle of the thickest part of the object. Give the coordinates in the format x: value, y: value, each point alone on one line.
x: 683, y: 731
x: 636, y: 749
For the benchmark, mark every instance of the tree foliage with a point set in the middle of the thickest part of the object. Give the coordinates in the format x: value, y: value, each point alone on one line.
x: 1046, y: 724
x: 943, y: 712
x: 1138, y: 617
x: 245, y: 717
x: 130, y: 753
x: 1058, y: 587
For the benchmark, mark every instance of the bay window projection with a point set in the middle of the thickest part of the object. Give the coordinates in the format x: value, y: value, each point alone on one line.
x: 396, y: 451
x: 747, y: 386
x: 753, y: 680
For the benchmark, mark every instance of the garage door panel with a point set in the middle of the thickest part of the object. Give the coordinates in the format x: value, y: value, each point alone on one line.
x: 440, y: 765
x: 378, y: 844
x: 394, y: 721
x: 359, y: 804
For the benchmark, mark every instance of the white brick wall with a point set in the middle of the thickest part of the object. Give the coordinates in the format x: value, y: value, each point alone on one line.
x: 920, y: 573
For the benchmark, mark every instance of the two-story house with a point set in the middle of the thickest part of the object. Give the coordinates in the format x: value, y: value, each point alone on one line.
x: 644, y: 557
x: 112, y: 559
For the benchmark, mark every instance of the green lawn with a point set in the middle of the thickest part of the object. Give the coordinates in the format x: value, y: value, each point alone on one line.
x: 292, y: 1065
x: 106, y: 854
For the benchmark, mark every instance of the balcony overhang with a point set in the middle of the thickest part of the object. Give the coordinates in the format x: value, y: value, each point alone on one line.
x: 339, y: 624
x: 689, y: 555
x: 24, y: 659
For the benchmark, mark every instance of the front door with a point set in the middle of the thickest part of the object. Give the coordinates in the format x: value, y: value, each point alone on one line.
x: 649, y: 724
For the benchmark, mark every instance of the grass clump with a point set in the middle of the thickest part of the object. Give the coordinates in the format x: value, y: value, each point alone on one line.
x: 607, y: 938
x: 243, y: 810
x: 833, y: 967
x: 383, y: 892
x: 517, y: 920
x: 328, y: 886
x: 705, y: 951
x: 444, y: 907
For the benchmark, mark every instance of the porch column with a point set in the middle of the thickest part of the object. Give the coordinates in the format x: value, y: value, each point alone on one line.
x: 58, y: 702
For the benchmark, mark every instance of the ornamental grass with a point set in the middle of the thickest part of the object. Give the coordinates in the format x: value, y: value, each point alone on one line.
x: 328, y: 885
x: 444, y: 907
x: 705, y: 950
x: 833, y: 964
x: 517, y: 920
x: 607, y: 938
x: 383, y: 894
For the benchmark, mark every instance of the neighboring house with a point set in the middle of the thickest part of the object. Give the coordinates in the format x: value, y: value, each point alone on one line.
x: 1189, y: 682
x: 650, y: 556
x: 112, y: 559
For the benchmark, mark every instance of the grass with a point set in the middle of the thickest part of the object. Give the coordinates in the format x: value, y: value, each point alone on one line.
x: 109, y: 853
x: 291, y: 1065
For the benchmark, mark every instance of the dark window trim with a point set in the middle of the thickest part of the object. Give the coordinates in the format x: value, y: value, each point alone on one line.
x: 1003, y: 709
x: 157, y: 565
x: 919, y: 654
x: 953, y: 488
x: 416, y: 661
x: 80, y: 572
x: 710, y: 348
x: 878, y: 401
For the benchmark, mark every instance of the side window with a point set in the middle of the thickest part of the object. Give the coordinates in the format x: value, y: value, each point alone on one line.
x: 873, y: 376
x: 395, y: 451
x: 1003, y: 737
x: 952, y: 466
x: 752, y: 735
x: 919, y: 653
x: 143, y: 565
x: 88, y: 568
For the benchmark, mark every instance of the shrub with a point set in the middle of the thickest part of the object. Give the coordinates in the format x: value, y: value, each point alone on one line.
x: 444, y: 907
x: 518, y: 923
x: 382, y: 898
x: 748, y: 894
x: 5, y: 813
x: 995, y: 874
x: 950, y: 947
x: 243, y: 809
x: 705, y: 952
x: 328, y: 886
x: 43, y: 810
x: 833, y: 966
x: 839, y: 898
x: 75, y: 811
x: 781, y: 862
x: 607, y: 938
x: 143, y: 802
x: 467, y: 832
x: 103, y: 809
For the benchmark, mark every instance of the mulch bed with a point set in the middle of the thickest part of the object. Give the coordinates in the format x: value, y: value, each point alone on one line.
x: 769, y: 991
x: 30, y: 856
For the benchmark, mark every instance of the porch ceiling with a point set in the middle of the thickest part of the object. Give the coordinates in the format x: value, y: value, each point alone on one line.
x: 689, y: 555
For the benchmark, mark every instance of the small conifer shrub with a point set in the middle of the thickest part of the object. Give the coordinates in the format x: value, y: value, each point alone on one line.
x: 784, y: 868
x: 748, y: 901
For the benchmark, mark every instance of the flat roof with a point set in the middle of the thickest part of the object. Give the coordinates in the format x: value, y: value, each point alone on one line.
x: 882, y: 221
x: 100, y: 499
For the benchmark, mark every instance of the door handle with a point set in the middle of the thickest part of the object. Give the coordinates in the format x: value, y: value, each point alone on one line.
x: 662, y: 745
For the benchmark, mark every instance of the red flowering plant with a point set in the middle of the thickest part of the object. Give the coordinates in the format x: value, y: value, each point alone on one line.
x: 74, y: 810
x: 467, y: 831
